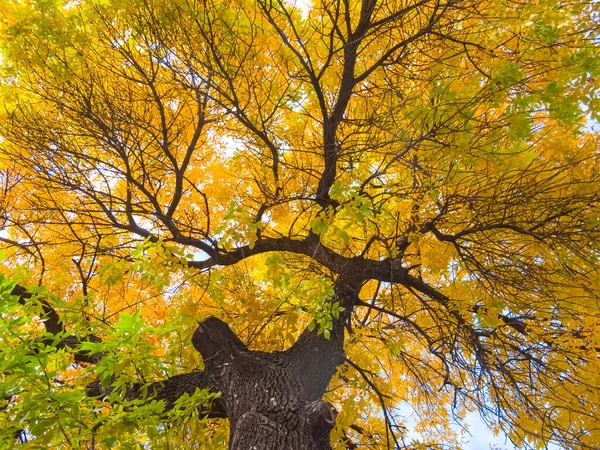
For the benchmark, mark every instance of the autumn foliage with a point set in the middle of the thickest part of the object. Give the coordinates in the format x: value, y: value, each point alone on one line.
x: 423, y: 173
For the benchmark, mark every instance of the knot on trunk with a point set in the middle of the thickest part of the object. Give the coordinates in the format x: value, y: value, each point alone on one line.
x: 321, y: 417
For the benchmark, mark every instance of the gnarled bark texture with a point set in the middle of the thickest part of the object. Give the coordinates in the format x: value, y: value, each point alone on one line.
x: 274, y: 400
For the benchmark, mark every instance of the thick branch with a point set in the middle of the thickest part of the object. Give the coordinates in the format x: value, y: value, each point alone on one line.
x: 54, y: 326
x: 331, y: 148
x: 51, y: 320
x: 173, y: 388
x: 216, y: 343
x: 309, y: 247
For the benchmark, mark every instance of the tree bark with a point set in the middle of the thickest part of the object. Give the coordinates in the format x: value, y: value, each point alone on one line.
x: 273, y: 400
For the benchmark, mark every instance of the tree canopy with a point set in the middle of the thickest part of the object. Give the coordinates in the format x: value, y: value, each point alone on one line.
x: 411, y: 187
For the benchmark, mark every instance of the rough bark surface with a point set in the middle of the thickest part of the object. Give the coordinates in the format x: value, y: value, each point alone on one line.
x: 272, y: 400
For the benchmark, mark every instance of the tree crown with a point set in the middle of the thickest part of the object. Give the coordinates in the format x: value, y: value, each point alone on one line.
x: 420, y: 173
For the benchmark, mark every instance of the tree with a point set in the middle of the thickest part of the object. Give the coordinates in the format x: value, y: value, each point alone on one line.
x: 351, y: 210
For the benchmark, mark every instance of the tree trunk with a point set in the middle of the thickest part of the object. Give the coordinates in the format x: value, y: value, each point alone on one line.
x: 272, y: 400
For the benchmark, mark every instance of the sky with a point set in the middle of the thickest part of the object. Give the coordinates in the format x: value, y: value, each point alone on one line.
x: 481, y: 437
x: 478, y: 437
